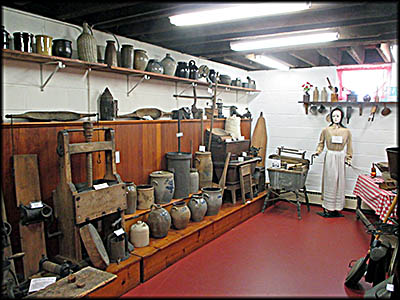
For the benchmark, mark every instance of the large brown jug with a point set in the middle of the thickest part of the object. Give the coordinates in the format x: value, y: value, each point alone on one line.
x: 86, y: 43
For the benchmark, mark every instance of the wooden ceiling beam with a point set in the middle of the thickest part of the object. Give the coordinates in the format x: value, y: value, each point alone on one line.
x: 290, y: 60
x: 250, y: 65
x: 357, y: 53
x: 334, y: 55
x: 309, y: 56
x: 384, y: 51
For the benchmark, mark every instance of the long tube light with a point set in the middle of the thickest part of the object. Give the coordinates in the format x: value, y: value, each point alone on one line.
x: 236, y: 12
x: 283, y: 41
x: 268, y: 61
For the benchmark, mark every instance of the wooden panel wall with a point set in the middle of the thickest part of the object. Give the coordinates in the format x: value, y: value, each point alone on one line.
x: 142, y: 146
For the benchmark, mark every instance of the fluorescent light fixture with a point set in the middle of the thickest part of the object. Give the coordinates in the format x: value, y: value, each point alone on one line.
x: 393, y: 49
x: 284, y: 40
x: 236, y: 12
x: 268, y: 61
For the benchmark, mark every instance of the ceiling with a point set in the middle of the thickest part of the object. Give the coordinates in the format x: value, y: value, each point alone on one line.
x: 366, y: 29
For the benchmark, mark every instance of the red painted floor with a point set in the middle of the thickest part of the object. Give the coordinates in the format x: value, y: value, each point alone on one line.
x: 271, y: 254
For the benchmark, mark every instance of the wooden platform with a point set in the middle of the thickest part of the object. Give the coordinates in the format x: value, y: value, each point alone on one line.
x: 146, y: 262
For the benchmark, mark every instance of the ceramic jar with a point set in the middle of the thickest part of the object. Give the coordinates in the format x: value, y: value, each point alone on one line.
x: 62, y: 48
x: 155, y: 66
x: 23, y: 41
x: 6, y: 38
x: 193, y: 70
x: 169, y: 64
x: 198, y: 207
x: 180, y: 215
x: 127, y: 55
x: 164, y: 186
x: 194, y: 181
x: 139, y: 234
x: 44, y: 44
x: 159, y: 221
x: 145, y: 196
x: 110, y: 56
x: 86, y: 44
x: 140, y: 59
x: 324, y: 95
x: 316, y: 94
x: 182, y: 70
x: 204, y: 165
x: 131, y: 198
x: 212, y: 75
x: 213, y: 197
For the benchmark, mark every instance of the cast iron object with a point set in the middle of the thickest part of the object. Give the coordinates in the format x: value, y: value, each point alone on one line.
x: 46, y: 265
x: 34, y: 215
x: 392, y: 154
x: 62, y: 48
x: 23, y: 41
x: 357, y: 271
x: 182, y: 70
x: 108, y: 106
x: 225, y: 79
x: 193, y: 70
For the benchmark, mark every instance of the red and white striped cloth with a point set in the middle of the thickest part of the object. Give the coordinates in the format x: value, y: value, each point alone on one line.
x: 379, y: 200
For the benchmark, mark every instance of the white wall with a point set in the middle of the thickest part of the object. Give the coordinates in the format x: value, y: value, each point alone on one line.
x: 68, y: 89
x: 289, y: 126
x: 287, y: 123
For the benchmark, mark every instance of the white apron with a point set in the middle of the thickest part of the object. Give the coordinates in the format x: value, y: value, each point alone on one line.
x: 333, y: 180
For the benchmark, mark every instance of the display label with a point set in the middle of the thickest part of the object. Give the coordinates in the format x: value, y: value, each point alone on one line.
x: 118, y: 232
x: 337, y: 139
x: 202, y: 148
x: 100, y: 186
x: 179, y: 134
x: 36, y: 204
x: 240, y: 158
x: 40, y: 283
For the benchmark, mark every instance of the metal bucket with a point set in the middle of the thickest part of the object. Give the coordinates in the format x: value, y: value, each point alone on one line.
x: 392, y: 154
x: 179, y: 164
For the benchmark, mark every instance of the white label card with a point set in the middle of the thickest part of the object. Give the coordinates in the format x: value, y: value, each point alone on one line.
x: 241, y: 138
x: 100, y: 186
x: 240, y: 158
x: 36, y: 204
x: 244, y: 154
x: 179, y: 134
x: 40, y: 283
x: 275, y: 163
x: 228, y: 140
x: 202, y: 148
x: 117, y: 161
x: 118, y: 232
x: 337, y: 139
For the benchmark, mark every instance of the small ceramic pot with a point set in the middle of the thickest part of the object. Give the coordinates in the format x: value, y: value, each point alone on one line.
x: 23, y: 41
x: 145, y: 196
x: 169, y: 65
x: 164, y: 186
x: 139, y: 234
x: 193, y: 70
x: 131, y: 198
x: 180, y: 215
x: 6, y: 38
x: 198, y: 207
x: 44, y: 44
x: 213, y: 197
x: 110, y: 57
x: 159, y: 221
x: 62, y: 48
x: 225, y: 79
x: 140, y: 59
x: 182, y: 70
x: 154, y: 66
x: 127, y: 56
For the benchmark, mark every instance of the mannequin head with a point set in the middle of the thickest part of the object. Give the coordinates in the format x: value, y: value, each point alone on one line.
x: 337, y: 116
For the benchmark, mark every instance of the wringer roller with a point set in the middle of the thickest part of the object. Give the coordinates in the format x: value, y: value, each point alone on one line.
x: 100, y: 201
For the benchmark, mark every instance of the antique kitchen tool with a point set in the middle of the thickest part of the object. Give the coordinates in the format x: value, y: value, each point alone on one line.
x: 154, y: 113
x: 372, y: 114
x: 212, y: 110
x: 259, y: 139
x: 348, y: 113
x: 76, y: 204
x: 51, y: 115
x: 108, y: 106
x: 386, y: 110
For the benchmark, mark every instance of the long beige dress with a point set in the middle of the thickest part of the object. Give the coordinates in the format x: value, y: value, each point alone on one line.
x: 336, y: 139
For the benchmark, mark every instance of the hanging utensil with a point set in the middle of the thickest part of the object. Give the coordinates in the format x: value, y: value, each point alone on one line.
x: 386, y: 110
x: 348, y: 113
x: 372, y: 114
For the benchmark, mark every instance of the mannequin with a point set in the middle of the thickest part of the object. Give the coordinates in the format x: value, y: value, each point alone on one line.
x: 336, y: 137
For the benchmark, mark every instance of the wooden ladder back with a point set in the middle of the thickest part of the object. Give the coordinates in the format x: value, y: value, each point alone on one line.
x: 246, y: 182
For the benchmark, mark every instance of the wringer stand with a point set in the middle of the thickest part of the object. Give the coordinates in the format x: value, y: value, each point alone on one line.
x: 78, y: 204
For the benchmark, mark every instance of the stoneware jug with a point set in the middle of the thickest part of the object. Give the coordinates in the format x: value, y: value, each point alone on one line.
x: 169, y: 65
x: 194, y: 181
x: 182, y: 70
x: 155, y: 66
x: 159, y: 221
x: 86, y: 43
x: 213, y: 197
x: 164, y: 186
x: 127, y: 55
x: 204, y: 165
x: 198, y: 207
x: 145, y: 196
x: 110, y: 56
x: 140, y: 59
x: 180, y: 215
x: 139, y: 234
x: 131, y: 198
x: 44, y: 44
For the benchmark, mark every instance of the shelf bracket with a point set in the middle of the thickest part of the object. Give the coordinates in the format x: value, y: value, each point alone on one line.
x: 189, y: 85
x: 59, y: 66
x: 144, y: 77
x: 224, y: 90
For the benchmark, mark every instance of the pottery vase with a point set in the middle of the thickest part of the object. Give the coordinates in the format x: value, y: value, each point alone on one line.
x: 131, y: 198
x: 140, y: 59
x: 110, y: 56
x: 154, y: 66
x: 194, y: 181
x: 324, y: 95
x: 316, y: 95
x: 164, y: 186
x: 145, y: 196
x: 6, y: 38
x: 159, y: 221
x: 139, y: 234
x: 44, y: 44
x: 169, y: 65
x: 213, y: 198
x: 180, y: 215
x: 62, y: 48
x: 306, y: 97
x: 127, y: 55
x: 182, y: 70
x: 86, y: 44
x: 204, y: 165
x: 198, y: 207
x: 23, y: 41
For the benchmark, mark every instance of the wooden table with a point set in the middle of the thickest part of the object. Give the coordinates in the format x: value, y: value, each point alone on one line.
x: 92, y: 278
x: 367, y: 190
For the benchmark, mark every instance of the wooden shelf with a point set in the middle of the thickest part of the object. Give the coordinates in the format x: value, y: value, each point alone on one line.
x: 76, y: 63
x: 349, y: 103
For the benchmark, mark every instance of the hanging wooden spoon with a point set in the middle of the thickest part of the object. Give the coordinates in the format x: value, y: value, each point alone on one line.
x: 386, y: 110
